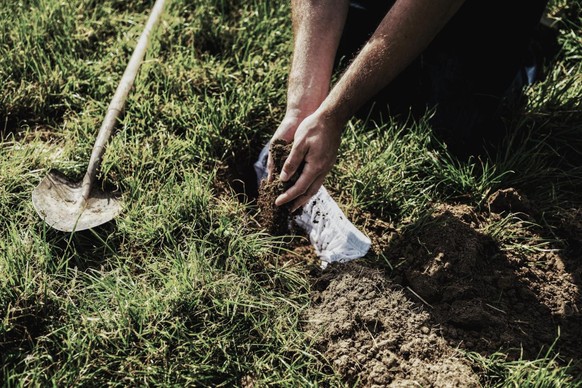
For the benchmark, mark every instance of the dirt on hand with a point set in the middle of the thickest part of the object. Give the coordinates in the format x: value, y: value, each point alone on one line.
x: 273, y: 218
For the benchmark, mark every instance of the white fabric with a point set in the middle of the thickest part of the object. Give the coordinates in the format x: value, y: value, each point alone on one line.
x: 333, y: 236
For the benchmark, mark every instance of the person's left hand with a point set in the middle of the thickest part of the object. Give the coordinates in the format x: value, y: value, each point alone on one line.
x: 315, y: 146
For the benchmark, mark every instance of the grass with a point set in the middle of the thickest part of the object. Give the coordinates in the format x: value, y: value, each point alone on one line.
x: 182, y: 288
x: 544, y: 371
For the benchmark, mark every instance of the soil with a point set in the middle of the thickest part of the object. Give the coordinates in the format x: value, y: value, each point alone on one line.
x: 484, y: 298
x: 452, y: 287
x: 275, y: 219
x: 432, y: 289
x: 374, y: 335
x: 508, y: 200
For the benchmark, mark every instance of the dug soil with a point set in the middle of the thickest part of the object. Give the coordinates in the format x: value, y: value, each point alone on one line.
x: 275, y: 219
x: 427, y: 293
x: 374, y: 335
x: 451, y: 287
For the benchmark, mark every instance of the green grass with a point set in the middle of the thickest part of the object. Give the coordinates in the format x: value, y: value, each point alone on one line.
x: 545, y: 371
x: 183, y: 288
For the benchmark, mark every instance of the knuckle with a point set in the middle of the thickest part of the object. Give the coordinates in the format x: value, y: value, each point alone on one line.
x: 319, y: 166
x: 300, y: 193
x: 301, y: 190
x: 311, y: 192
x: 316, y: 168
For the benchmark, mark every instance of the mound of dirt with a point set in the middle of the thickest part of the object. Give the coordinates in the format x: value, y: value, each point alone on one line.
x: 452, y: 287
x: 275, y: 219
x: 373, y: 335
x: 486, y: 299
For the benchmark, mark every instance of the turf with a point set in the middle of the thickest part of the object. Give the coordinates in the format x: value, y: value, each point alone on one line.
x: 183, y: 287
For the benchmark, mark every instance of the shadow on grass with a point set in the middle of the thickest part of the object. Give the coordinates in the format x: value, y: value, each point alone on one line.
x: 87, y: 249
x: 238, y: 174
x: 26, y: 321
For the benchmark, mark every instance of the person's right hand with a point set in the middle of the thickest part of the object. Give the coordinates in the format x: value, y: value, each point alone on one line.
x: 314, y: 153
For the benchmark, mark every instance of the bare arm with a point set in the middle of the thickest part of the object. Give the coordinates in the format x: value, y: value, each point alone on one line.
x: 317, y: 29
x: 403, y: 34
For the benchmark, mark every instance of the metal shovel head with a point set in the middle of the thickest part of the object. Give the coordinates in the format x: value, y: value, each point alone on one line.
x: 59, y: 202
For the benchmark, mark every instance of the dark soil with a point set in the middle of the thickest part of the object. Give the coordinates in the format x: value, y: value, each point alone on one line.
x: 275, y: 219
x: 452, y: 287
x: 508, y: 200
x: 486, y: 299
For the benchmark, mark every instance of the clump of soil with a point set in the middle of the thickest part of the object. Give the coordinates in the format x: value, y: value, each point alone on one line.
x: 275, y: 219
x: 374, y: 335
x: 508, y: 200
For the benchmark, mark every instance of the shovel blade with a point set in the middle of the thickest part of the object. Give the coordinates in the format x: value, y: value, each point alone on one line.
x: 60, y: 204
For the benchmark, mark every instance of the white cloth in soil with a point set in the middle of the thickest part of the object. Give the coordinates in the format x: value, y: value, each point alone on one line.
x: 333, y: 236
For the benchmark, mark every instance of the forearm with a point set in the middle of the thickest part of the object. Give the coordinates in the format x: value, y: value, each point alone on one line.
x: 317, y: 28
x: 403, y: 34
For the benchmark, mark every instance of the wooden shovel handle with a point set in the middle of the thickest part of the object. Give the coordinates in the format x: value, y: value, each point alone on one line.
x: 118, y: 102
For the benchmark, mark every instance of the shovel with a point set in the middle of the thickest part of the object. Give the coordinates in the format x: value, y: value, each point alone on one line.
x: 72, y: 206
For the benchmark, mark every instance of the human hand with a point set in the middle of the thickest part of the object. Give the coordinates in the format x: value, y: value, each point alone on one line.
x: 315, y: 147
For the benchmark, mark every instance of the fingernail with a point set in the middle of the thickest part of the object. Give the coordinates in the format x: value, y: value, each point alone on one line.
x: 283, y: 176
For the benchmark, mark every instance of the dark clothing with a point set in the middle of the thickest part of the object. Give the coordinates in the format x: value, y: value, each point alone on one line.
x: 464, y: 72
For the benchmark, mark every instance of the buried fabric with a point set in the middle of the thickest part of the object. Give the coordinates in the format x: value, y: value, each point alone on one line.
x: 333, y: 236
